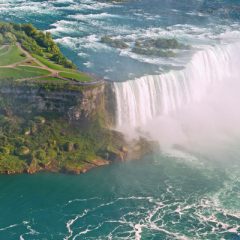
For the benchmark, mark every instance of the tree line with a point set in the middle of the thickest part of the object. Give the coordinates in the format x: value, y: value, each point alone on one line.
x: 34, y: 41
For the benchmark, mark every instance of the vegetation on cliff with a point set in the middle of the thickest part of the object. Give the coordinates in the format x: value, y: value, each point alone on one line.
x: 34, y: 133
x: 55, y: 130
x: 50, y: 143
x: 52, y: 117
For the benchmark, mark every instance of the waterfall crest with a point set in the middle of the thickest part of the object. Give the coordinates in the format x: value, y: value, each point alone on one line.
x: 142, y: 99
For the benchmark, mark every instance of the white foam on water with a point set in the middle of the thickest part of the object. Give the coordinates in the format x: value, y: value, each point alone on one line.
x: 138, y: 231
x: 155, y: 215
x: 26, y: 8
x: 72, y: 221
x: 88, y: 64
x: 89, y: 17
x: 160, y: 61
x: 30, y: 230
x: 8, y: 227
x: 77, y: 44
x: 64, y: 1
x: 88, y: 5
x: 64, y: 26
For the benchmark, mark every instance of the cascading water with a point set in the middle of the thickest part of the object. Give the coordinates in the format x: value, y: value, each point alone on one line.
x: 143, y: 99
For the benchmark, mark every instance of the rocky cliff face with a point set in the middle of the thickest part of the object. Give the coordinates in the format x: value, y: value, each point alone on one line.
x: 61, y: 129
x: 71, y: 104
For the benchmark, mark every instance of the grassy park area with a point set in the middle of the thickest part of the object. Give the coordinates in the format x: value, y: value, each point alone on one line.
x: 27, y: 54
x: 16, y: 64
x: 11, y: 54
x: 22, y: 72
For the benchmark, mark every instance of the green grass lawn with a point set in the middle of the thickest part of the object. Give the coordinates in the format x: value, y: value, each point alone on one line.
x: 11, y: 56
x: 3, y: 50
x: 21, y: 72
x: 64, y: 72
x: 82, y: 77
x: 50, y: 64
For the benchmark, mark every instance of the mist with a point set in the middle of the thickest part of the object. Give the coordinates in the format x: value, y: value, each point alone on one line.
x: 209, y: 126
x: 195, y: 109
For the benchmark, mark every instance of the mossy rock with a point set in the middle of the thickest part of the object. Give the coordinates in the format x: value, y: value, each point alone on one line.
x: 161, y: 43
x: 154, y: 52
x: 115, y: 43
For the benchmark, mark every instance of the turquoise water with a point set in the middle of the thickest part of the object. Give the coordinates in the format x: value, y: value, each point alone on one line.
x: 159, y: 197
x: 184, y: 194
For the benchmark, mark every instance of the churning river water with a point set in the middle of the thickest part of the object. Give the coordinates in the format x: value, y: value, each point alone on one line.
x: 190, y: 189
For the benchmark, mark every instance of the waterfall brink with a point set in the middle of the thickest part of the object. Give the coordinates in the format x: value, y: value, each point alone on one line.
x: 142, y: 99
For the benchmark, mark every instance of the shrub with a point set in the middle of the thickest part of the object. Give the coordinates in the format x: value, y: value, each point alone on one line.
x: 5, y: 150
x: 22, y: 151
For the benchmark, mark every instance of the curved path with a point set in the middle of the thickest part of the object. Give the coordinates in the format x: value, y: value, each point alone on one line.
x: 53, y: 73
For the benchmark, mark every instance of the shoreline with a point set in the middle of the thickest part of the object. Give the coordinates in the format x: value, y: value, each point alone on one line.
x: 52, y: 116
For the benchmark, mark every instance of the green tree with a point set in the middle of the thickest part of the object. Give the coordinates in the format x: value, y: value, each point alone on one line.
x: 10, y: 38
x: 5, y: 27
x: 1, y: 39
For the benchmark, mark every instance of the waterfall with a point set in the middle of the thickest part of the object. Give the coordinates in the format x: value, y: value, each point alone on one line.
x: 142, y: 99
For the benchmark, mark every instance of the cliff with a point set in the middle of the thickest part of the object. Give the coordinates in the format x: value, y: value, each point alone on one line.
x: 80, y: 104
x: 52, y: 116
x: 56, y: 129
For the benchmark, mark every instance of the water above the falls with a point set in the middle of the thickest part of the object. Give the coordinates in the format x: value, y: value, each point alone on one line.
x: 78, y: 25
x: 193, y: 110
x: 143, y: 99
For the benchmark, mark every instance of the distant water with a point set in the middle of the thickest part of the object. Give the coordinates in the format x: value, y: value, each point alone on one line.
x: 78, y: 26
x: 191, y: 189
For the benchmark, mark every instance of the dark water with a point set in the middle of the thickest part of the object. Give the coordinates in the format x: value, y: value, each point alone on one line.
x: 159, y: 197
x: 163, y: 196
